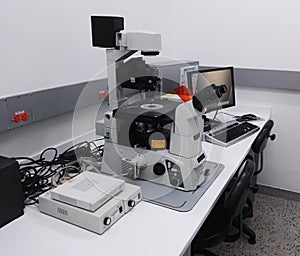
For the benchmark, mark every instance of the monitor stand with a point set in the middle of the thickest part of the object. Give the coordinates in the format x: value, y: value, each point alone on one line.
x: 210, y: 123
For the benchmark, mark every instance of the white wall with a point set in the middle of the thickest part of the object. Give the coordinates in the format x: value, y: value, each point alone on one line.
x: 251, y: 34
x: 47, y: 44
x: 281, y: 165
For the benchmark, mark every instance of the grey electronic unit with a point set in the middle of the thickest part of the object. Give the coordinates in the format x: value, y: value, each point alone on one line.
x: 173, y: 73
x: 88, y: 190
x: 101, y: 219
x: 11, y: 191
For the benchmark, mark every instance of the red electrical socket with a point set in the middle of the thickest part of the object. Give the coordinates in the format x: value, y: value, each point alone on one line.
x: 17, y: 118
x: 24, y: 116
x: 102, y: 95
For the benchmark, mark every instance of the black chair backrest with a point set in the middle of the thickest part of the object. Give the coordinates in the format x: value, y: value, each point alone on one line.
x: 237, y: 197
x: 261, y: 140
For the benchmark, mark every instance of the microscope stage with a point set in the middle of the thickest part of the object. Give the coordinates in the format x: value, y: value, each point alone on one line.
x: 149, y: 109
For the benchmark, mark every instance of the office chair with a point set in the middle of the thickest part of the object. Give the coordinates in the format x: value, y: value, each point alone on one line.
x: 256, y: 155
x: 227, y: 212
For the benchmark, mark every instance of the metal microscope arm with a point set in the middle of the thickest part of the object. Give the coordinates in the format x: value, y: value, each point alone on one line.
x: 108, y: 32
x: 115, y: 58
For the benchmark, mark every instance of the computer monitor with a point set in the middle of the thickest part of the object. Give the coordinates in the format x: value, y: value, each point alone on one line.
x: 208, y: 86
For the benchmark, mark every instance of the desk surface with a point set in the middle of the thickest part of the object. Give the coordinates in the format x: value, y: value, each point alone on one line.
x: 147, y: 230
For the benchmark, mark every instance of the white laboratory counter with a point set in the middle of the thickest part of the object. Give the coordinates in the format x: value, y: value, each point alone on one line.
x: 147, y: 230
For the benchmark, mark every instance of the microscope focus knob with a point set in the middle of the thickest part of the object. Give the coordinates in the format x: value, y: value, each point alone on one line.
x: 174, y: 182
x: 107, y: 221
x: 159, y: 169
x: 131, y: 203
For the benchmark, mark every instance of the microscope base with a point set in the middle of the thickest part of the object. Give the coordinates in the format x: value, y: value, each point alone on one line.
x: 159, y: 166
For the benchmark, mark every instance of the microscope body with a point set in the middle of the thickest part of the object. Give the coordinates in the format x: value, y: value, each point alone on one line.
x: 148, y: 136
x: 166, y: 150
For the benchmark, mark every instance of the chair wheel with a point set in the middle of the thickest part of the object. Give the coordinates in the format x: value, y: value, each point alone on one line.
x: 252, y: 241
x: 247, y: 212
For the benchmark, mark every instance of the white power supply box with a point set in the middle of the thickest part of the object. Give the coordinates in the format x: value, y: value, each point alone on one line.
x: 99, y: 220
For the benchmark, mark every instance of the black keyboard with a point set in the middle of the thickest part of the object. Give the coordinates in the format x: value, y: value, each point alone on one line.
x: 231, y: 134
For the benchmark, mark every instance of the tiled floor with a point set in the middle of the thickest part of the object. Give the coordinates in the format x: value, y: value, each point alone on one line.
x: 276, y: 223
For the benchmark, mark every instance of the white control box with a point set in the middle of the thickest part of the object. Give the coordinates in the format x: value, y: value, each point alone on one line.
x: 101, y: 219
x: 98, y: 221
x: 88, y: 190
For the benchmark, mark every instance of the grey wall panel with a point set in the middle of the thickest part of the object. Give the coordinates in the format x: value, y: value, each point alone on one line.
x: 4, y: 120
x: 277, y: 79
x: 49, y: 103
x: 56, y: 101
x: 52, y: 102
x: 18, y: 105
x: 89, y: 94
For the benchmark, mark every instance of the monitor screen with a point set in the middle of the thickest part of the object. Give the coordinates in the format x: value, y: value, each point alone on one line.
x: 213, y: 87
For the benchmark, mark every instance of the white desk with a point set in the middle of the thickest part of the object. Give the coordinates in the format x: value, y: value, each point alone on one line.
x: 147, y: 230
